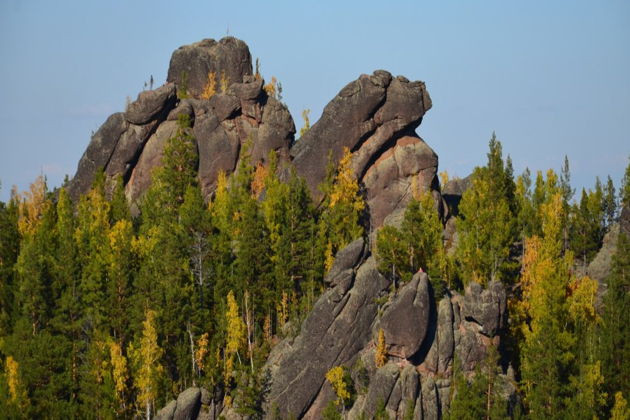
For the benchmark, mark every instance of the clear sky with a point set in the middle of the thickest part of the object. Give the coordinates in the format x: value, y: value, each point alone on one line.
x: 550, y: 77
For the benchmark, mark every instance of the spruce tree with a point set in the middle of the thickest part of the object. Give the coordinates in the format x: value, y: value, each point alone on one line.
x: 487, y: 224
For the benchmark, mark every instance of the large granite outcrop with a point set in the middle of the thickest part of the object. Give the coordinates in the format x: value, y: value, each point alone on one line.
x: 374, y: 117
x: 131, y: 144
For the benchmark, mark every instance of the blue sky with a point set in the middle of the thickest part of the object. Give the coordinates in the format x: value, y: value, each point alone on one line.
x: 551, y: 78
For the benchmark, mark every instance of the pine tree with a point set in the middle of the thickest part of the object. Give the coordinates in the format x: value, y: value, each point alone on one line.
x: 120, y: 260
x: 609, y: 203
x: 546, y: 347
x: 478, y: 397
x: 9, y: 249
x: 587, y: 225
x: 487, y: 225
x: 416, y: 245
x: 92, y: 246
x: 66, y: 322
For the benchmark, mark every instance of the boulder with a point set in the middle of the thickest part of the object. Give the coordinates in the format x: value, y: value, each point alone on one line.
x: 188, y: 404
x: 191, y: 64
x: 150, y: 104
x: 224, y: 106
x: 250, y: 89
x: 97, y: 154
x: 486, y: 307
x: 453, y: 191
x: 406, y: 320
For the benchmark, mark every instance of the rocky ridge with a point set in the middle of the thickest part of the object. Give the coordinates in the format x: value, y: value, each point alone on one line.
x: 375, y: 117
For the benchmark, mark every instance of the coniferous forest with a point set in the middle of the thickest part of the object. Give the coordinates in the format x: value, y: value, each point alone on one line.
x: 105, y: 315
x: 477, y: 302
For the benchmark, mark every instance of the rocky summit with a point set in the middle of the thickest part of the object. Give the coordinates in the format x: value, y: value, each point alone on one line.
x: 375, y: 117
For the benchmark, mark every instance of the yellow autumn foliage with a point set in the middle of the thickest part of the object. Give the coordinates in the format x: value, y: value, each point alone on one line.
x: 119, y: 369
x: 620, y: 410
x: 380, y: 358
x: 32, y: 205
x: 336, y: 378
x: 202, y: 351
x: 210, y: 89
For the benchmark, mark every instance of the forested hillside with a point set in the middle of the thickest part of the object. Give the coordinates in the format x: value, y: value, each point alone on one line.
x: 204, y: 263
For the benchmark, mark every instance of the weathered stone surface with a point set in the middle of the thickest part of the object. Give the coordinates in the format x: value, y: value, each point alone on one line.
x: 345, y: 260
x: 150, y: 104
x: 389, y: 181
x: 250, y: 89
x: 381, y: 387
x: 217, y: 151
x: 97, y: 154
x: 453, y: 191
x: 190, y: 64
x: 150, y: 158
x: 440, y: 356
x: 128, y: 149
x: 487, y: 308
x: 353, y: 116
x: 470, y: 348
x: 167, y: 412
x: 410, y: 389
x: 188, y: 404
x: 275, y: 132
x: 332, y: 334
x: 600, y: 267
x: 184, y: 107
x: 406, y: 320
x: 224, y: 106
x: 430, y: 399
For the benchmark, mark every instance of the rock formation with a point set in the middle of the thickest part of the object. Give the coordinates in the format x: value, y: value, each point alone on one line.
x: 375, y: 117
x: 131, y: 144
